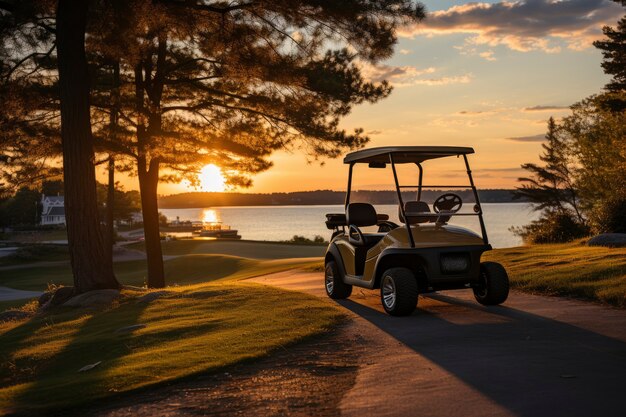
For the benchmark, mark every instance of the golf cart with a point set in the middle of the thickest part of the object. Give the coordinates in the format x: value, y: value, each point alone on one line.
x: 423, y: 255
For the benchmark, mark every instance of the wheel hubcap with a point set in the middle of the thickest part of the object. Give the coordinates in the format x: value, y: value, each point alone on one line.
x: 330, y: 284
x: 482, y: 289
x: 389, y: 292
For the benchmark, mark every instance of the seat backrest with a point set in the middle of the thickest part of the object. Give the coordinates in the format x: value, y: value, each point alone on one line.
x: 361, y: 214
x: 415, y: 207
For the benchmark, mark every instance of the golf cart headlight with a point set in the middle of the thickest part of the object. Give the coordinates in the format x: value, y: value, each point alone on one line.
x: 454, y: 263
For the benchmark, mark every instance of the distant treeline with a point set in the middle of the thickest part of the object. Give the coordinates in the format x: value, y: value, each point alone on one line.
x: 319, y: 197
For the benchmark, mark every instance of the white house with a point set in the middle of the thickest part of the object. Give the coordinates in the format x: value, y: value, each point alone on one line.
x: 53, y: 211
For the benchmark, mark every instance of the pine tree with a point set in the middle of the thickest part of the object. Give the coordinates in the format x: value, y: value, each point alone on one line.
x: 201, y: 82
x: 551, y: 185
x: 45, y: 89
x: 230, y: 83
x: 613, y: 49
x: 91, y: 266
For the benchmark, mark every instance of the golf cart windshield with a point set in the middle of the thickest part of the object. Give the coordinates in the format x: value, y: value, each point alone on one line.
x: 411, y: 212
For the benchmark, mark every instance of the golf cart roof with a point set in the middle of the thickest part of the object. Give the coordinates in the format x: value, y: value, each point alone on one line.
x: 405, y: 154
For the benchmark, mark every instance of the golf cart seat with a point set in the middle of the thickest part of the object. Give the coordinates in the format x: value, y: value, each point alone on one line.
x: 362, y: 215
x: 415, y: 207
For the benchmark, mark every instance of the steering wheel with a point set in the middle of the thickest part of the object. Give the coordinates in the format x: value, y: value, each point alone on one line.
x: 386, y: 226
x: 448, y: 203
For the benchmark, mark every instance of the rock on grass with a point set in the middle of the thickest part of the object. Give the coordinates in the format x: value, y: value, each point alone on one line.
x: 609, y: 240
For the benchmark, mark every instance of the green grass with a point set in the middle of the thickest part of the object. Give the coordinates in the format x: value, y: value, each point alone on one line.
x: 6, y: 305
x: 194, y: 329
x: 35, y: 236
x: 36, y: 253
x: 183, y: 270
x: 571, y: 269
x: 210, y: 319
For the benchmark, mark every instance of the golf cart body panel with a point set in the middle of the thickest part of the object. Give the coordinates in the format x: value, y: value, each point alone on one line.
x: 424, y: 253
x: 431, y: 241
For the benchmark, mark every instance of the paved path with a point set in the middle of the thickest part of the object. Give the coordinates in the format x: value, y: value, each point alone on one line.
x: 534, y: 356
x: 10, y: 294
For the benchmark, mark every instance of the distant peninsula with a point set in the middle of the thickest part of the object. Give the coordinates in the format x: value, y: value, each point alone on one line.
x: 318, y: 197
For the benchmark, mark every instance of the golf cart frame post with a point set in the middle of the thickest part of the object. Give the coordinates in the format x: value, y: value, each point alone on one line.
x: 477, y: 207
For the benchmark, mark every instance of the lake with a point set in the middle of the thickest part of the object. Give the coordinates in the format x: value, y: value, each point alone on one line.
x: 276, y: 223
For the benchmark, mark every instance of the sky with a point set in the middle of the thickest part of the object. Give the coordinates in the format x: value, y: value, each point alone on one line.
x: 486, y: 75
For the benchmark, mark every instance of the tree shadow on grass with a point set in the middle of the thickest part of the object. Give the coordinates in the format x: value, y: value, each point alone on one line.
x: 57, y: 382
x: 528, y: 364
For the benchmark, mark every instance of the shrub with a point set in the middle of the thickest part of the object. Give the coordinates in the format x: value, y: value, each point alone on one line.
x: 552, y: 227
x: 297, y: 239
x: 610, y: 217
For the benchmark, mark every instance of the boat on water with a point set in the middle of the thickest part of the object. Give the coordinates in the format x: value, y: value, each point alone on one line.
x: 178, y: 226
x: 218, y: 230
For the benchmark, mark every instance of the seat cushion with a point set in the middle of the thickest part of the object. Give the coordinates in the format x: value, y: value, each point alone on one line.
x: 361, y: 215
x: 415, y: 207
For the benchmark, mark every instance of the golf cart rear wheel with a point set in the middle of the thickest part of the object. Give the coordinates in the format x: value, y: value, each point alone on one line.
x: 494, y: 284
x: 398, y: 291
x: 335, y: 287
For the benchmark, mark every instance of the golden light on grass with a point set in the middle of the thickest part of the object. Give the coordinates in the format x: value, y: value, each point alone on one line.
x: 212, y: 179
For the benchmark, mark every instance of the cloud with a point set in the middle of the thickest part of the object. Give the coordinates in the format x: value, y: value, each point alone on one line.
x: 475, y: 113
x: 533, y: 138
x: 524, y: 25
x: 512, y: 169
x: 378, y: 73
x: 544, y: 108
x: 458, y: 79
x: 407, y: 75
x: 405, y: 51
x: 374, y: 132
x: 488, y: 55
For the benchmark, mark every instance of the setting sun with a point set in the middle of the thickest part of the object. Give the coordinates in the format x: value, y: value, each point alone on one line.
x: 211, y: 178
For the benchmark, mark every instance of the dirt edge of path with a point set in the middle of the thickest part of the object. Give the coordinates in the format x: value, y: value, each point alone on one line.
x: 308, y: 378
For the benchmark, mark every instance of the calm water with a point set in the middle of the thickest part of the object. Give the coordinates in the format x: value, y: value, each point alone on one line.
x: 282, y: 222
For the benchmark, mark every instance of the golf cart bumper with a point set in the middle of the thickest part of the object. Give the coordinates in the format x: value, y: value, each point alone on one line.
x: 448, y: 267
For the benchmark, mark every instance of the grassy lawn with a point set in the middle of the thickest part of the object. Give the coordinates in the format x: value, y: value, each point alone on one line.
x: 5, y: 305
x: 36, y: 253
x: 210, y: 319
x: 183, y: 270
x: 35, y: 236
x: 193, y: 329
x: 244, y: 248
x: 571, y: 269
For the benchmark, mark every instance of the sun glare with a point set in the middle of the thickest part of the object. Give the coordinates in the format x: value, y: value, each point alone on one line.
x: 211, y: 178
x: 210, y: 216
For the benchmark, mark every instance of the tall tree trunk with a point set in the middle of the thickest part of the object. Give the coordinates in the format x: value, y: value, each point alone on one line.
x: 148, y: 182
x: 110, y: 227
x: 91, y: 267
x: 113, y: 124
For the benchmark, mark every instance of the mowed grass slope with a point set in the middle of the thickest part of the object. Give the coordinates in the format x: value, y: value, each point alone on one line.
x: 192, y: 329
x: 182, y: 270
x: 571, y: 269
x: 208, y: 319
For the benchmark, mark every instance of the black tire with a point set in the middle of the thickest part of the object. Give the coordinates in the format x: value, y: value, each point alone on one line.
x: 494, y: 284
x: 405, y: 290
x: 335, y: 287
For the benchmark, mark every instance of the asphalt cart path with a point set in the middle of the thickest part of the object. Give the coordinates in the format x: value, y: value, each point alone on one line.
x: 533, y: 356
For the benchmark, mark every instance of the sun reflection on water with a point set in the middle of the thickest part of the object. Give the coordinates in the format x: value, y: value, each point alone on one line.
x: 210, y: 216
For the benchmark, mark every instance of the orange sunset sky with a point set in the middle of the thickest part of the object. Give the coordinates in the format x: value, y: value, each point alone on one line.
x: 486, y: 75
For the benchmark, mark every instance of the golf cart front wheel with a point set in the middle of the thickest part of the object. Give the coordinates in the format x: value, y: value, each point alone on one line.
x: 335, y: 287
x: 398, y: 291
x: 493, y: 288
